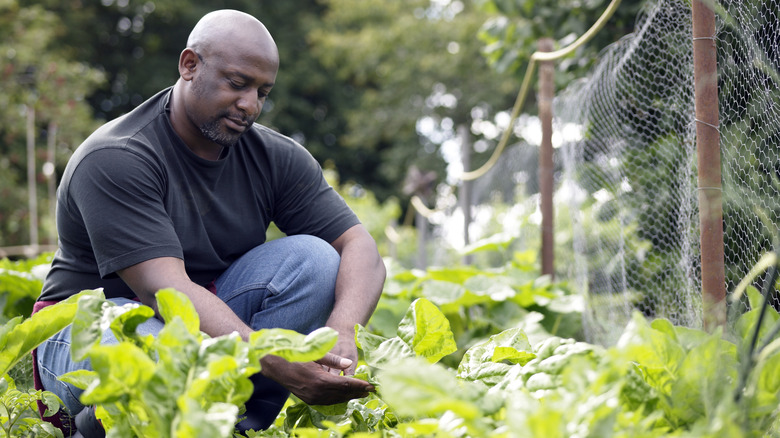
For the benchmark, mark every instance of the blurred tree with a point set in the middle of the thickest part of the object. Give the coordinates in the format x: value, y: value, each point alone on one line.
x: 370, y: 87
x: 137, y: 44
x: 511, y: 33
x: 416, y: 68
x: 35, y: 75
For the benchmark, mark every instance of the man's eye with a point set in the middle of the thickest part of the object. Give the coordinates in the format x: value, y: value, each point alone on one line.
x: 236, y: 85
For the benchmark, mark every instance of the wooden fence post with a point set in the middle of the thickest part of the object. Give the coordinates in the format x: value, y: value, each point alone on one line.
x: 705, y: 74
x: 32, y: 192
x: 464, y: 195
x: 546, y: 94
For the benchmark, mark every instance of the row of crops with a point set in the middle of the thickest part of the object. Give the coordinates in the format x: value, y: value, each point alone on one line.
x: 453, y: 352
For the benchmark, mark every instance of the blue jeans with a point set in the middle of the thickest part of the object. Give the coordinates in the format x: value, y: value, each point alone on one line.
x: 285, y: 283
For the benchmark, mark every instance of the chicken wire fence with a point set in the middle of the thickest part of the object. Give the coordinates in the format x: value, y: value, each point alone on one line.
x: 629, y: 171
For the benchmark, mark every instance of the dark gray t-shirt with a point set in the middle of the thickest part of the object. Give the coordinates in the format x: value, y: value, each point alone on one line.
x: 134, y: 191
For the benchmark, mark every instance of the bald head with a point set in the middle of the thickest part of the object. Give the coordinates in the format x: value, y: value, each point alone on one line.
x: 227, y: 27
x: 225, y: 74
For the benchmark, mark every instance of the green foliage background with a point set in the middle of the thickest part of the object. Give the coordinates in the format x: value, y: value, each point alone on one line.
x: 351, y: 88
x: 356, y: 77
x: 451, y: 355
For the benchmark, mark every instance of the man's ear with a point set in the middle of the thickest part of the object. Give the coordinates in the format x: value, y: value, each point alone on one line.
x: 188, y: 62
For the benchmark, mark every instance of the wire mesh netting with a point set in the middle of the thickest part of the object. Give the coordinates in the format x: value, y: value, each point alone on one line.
x: 749, y: 61
x: 630, y: 179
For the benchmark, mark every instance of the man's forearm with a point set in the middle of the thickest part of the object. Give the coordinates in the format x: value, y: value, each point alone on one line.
x: 359, y: 282
x: 216, y: 318
x: 355, y: 302
x: 146, y: 278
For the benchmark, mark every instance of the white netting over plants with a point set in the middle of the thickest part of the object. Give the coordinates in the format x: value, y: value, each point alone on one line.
x: 749, y: 87
x: 631, y: 180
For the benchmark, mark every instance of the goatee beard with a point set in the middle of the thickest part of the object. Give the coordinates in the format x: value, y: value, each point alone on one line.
x: 212, y: 131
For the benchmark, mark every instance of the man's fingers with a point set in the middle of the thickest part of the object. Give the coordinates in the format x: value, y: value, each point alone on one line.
x: 318, y: 383
x: 360, y: 386
x: 333, y: 361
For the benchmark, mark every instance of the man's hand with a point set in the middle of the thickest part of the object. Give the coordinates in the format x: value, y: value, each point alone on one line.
x: 311, y: 381
x: 345, y: 348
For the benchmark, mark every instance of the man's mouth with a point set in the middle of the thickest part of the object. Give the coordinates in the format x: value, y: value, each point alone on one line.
x: 236, y: 124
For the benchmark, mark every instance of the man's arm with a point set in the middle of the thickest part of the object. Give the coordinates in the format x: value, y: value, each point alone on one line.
x: 359, y: 285
x: 309, y: 381
x: 146, y: 278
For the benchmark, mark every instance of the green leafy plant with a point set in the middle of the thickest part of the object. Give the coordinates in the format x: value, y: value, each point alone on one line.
x: 18, y: 337
x: 423, y: 333
x: 18, y: 411
x: 659, y: 380
x: 757, y: 384
x: 480, y: 302
x: 181, y: 383
x: 20, y: 285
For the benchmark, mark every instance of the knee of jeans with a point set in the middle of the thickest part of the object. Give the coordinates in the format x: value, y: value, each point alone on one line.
x: 319, y: 255
x: 68, y: 394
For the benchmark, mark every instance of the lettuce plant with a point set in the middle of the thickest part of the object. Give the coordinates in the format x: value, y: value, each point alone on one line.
x: 18, y: 337
x: 180, y: 383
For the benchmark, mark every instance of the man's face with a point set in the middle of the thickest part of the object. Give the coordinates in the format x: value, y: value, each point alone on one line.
x: 228, y: 92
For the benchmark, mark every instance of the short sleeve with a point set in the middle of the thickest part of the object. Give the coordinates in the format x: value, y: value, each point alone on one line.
x: 118, y: 196
x: 306, y: 203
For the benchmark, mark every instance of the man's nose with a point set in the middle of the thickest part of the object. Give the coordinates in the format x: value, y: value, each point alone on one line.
x: 250, y: 103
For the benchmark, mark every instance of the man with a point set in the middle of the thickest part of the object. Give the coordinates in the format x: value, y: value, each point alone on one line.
x: 179, y: 193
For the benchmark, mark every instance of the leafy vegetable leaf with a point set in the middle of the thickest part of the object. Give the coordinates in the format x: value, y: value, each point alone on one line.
x: 171, y: 303
x: 700, y: 379
x: 484, y: 361
x: 122, y: 369
x: 417, y: 389
x: 658, y: 353
x: 427, y: 331
x: 456, y: 275
x: 497, y: 242
x: 80, y: 378
x: 379, y: 351
x: 22, y: 337
x: 88, y: 325
x: 194, y: 421
x: 125, y: 325
x: 293, y: 346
